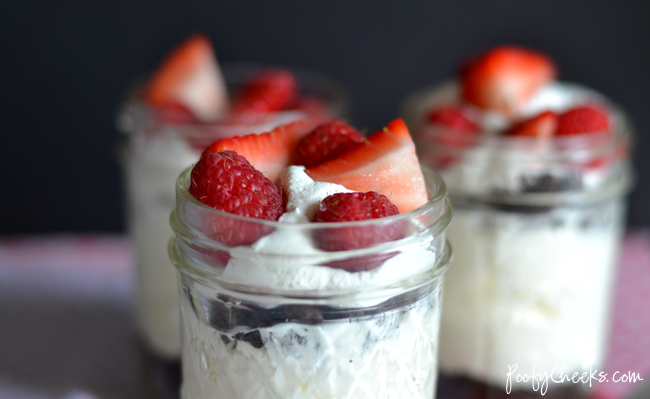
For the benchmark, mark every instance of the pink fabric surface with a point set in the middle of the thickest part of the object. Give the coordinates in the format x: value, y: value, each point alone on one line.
x: 68, y: 264
x: 102, y: 265
x: 629, y: 346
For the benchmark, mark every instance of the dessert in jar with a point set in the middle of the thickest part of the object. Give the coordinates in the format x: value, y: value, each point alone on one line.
x: 188, y: 103
x: 537, y: 170
x: 311, y: 265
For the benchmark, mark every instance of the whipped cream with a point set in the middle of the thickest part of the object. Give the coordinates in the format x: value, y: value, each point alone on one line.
x: 303, y: 266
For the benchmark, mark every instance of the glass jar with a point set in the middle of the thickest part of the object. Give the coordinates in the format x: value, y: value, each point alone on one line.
x: 283, y: 319
x: 536, y: 232
x: 156, y: 149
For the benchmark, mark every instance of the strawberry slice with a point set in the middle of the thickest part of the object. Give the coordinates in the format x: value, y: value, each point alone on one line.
x: 542, y: 125
x: 326, y: 142
x: 268, y: 152
x: 584, y: 119
x: 189, y: 76
x: 268, y: 91
x: 504, y: 78
x: 385, y: 163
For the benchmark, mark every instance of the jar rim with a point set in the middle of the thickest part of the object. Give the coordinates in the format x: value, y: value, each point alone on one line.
x: 418, y: 103
x: 436, y: 198
x: 429, y: 222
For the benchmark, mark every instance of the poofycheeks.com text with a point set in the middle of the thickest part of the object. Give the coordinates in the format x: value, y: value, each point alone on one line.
x: 541, y: 380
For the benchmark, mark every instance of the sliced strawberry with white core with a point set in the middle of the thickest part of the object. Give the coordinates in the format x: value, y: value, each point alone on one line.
x: 190, y: 76
x: 542, y: 125
x: 505, y: 78
x: 385, y: 163
x: 268, y: 152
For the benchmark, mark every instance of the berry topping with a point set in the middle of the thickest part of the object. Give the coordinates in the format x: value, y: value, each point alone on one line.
x: 585, y: 119
x: 453, y: 128
x: 189, y: 76
x: 504, y: 78
x: 326, y: 142
x: 452, y: 118
x: 268, y: 152
x: 346, y: 207
x: 227, y: 182
x: 385, y: 162
x: 267, y: 91
x: 542, y: 125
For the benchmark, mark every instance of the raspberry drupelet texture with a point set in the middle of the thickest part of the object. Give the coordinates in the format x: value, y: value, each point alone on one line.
x: 226, y: 181
x: 347, y: 207
x: 326, y: 142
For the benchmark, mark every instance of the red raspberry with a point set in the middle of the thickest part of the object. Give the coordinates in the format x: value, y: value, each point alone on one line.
x: 453, y: 118
x: 585, y: 119
x: 267, y: 91
x: 227, y: 182
x: 326, y: 142
x: 453, y: 129
x: 346, y: 207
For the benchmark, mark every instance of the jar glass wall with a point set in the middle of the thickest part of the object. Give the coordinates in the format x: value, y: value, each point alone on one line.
x: 266, y: 323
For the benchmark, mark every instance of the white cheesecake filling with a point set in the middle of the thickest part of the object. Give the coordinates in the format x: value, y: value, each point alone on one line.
x: 528, y: 290
x: 389, y: 355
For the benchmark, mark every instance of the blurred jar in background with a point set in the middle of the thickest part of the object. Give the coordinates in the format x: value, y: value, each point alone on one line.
x: 537, y: 171
x: 189, y: 103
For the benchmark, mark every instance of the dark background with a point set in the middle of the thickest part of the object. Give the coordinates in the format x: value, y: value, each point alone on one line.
x: 65, y: 66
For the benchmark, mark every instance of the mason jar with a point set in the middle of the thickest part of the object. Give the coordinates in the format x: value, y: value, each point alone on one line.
x: 156, y: 146
x: 280, y: 318
x: 537, y: 227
